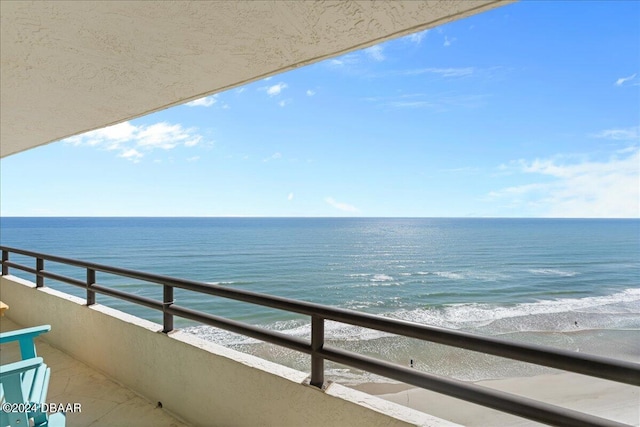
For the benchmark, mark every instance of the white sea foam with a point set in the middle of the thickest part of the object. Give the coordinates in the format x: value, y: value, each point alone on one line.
x: 535, y: 319
x: 449, y: 275
x: 359, y: 304
x: 377, y: 285
x: 333, y: 331
x: 220, y: 336
x: 376, y: 280
x: 488, y: 276
x: 553, y: 272
x: 381, y: 278
x: 608, y: 311
x: 474, y: 315
x: 602, y: 312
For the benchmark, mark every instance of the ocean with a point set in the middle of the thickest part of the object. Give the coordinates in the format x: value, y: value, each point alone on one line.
x: 568, y: 283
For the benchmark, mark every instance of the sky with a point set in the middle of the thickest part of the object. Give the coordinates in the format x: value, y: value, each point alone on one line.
x: 528, y: 110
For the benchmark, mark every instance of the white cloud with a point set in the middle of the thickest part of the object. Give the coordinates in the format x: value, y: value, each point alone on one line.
x: 375, y: 53
x: 606, y: 188
x: 112, y: 136
x: 284, y: 102
x: 207, y: 101
x: 166, y: 136
x: 448, y: 41
x: 131, y: 154
x: 274, y: 156
x: 626, y: 134
x: 341, y: 206
x: 435, y: 101
x: 310, y: 92
x: 290, y: 196
x: 344, y: 60
x: 623, y: 80
x: 276, y: 89
x: 444, y: 72
x: 193, y: 159
x: 132, y: 141
x: 417, y: 37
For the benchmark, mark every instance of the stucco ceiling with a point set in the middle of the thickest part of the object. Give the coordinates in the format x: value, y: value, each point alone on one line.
x: 71, y: 67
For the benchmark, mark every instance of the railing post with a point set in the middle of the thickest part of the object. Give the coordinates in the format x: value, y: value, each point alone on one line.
x: 317, y: 342
x: 5, y: 258
x: 167, y: 319
x: 91, y: 279
x: 39, y: 268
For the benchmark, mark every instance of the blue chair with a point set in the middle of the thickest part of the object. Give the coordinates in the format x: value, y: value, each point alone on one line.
x: 24, y: 384
x: 25, y: 337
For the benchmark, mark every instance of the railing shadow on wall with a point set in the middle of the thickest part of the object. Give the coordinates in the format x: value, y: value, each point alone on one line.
x: 592, y: 365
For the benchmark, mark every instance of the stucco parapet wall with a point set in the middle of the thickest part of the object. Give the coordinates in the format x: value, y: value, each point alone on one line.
x: 196, y: 380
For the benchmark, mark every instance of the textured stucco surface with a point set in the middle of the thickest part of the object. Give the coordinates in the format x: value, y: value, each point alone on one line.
x: 73, y: 66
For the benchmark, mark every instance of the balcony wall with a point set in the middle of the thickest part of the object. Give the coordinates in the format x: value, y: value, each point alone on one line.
x: 198, y: 381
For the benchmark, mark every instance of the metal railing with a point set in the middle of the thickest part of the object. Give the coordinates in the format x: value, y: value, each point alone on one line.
x: 595, y: 366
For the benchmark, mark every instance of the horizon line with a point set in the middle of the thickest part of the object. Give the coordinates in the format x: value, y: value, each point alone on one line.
x: 304, y: 217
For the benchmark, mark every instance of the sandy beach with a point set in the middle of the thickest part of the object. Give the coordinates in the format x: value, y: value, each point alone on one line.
x: 607, y: 399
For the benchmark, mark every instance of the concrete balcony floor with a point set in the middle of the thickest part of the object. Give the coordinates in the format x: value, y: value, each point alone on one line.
x: 104, y: 402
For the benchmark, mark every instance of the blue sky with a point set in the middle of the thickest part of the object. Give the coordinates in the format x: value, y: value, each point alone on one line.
x: 528, y: 110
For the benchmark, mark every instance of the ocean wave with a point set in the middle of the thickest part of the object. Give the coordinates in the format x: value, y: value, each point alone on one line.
x: 553, y: 272
x: 620, y: 310
x: 359, y: 305
x: 220, y: 336
x: 377, y: 280
x: 608, y: 311
x: 616, y: 311
x: 381, y: 278
x: 449, y: 275
x: 296, y: 328
x: 377, y: 285
x: 487, y: 276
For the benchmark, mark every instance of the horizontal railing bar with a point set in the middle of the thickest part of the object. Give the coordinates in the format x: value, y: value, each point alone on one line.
x: 20, y: 267
x: 502, y: 401
x: 597, y: 366
x: 252, y: 331
x: 61, y: 278
x: 133, y: 274
x: 147, y: 302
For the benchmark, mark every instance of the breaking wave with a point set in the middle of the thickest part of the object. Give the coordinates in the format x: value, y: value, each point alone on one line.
x: 616, y: 311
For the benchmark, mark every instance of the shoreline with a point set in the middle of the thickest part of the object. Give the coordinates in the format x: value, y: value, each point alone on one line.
x: 603, y: 398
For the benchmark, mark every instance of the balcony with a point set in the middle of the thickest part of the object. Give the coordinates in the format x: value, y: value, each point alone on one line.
x: 102, y: 400
x: 207, y: 384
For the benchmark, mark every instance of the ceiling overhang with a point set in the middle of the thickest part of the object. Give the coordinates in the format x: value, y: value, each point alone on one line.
x: 71, y: 67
